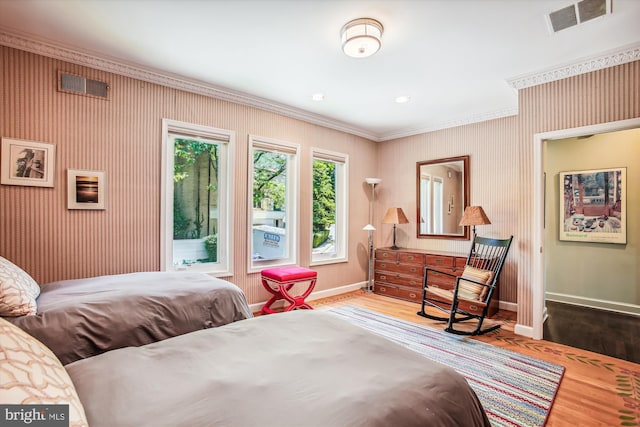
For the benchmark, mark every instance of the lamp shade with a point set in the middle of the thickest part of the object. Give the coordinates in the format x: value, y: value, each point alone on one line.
x: 474, y: 215
x: 395, y: 216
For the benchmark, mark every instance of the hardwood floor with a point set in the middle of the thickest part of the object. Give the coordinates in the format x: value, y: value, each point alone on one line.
x: 596, y: 390
x: 601, y: 331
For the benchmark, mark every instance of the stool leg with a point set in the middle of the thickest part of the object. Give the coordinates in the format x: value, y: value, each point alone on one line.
x: 298, y: 301
x: 266, y: 308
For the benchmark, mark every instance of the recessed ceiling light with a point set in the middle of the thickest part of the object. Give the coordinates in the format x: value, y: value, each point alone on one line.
x: 403, y: 99
x: 317, y: 97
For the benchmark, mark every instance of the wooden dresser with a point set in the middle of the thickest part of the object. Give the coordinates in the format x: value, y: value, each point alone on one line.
x: 399, y: 273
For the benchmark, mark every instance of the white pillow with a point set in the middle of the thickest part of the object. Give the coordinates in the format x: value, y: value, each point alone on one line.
x: 18, y: 290
x: 31, y: 374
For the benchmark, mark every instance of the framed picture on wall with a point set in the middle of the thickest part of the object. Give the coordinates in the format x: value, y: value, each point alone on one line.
x: 86, y: 189
x: 27, y: 163
x: 593, y: 206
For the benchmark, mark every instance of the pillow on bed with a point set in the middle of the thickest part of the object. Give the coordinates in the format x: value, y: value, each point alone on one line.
x: 33, y: 375
x: 474, y: 291
x: 18, y: 290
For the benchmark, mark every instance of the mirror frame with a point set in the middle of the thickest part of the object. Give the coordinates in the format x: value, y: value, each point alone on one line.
x: 465, y: 179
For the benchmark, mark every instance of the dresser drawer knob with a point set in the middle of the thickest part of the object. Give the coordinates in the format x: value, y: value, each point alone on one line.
x: 413, y: 270
x: 385, y: 254
x: 410, y: 257
x: 412, y: 295
x: 383, y: 289
x: 473, y: 307
x: 413, y: 282
x: 383, y: 277
x: 438, y: 261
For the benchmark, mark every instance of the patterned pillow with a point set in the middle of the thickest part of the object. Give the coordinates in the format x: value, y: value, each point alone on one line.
x: 470, y: 290
x: 31, y: 374
x: 18, y: 290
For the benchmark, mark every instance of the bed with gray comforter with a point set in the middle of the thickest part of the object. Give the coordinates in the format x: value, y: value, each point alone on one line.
x: 302, y: 369
x: 85, y: 317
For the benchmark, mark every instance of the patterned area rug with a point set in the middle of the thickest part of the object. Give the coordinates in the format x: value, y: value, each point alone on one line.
x: 515, y: 390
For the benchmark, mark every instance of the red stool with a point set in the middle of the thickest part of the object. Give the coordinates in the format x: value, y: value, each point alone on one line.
x: 283, y: 279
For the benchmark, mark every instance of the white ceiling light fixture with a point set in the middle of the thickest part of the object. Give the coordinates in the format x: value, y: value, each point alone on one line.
x: 361, y: 37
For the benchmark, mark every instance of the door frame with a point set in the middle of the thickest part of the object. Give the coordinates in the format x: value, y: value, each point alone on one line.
x: 537, y: 279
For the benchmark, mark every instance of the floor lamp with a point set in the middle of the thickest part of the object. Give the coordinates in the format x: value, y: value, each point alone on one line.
x: 369, y: 228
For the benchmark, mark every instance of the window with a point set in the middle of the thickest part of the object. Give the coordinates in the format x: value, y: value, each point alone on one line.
x: 329, y: 233
x: 196, y: 214
x: 438, y: 203
x: 425, y: 212
x: 273, y: 189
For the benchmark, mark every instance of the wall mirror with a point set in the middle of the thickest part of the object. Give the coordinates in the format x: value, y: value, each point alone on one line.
x: 443, y: 194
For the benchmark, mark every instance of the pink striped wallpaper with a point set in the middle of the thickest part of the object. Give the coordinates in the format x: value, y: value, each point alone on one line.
x: 122, y: 137
x: 501, y: 164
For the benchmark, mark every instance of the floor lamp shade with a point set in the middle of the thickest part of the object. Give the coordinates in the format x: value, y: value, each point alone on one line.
x: 395, y: 216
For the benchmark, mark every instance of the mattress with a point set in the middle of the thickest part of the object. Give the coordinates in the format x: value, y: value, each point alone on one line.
x: 301, y: 368
x: 85, y: 317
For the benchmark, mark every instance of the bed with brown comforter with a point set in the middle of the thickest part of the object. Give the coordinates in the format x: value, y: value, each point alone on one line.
x: 85, y: 317
x: 302, y: 369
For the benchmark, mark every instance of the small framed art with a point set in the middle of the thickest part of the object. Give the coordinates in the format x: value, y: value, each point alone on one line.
x: 86, y: 189
x: 27, y: 163
x: 593, y: 206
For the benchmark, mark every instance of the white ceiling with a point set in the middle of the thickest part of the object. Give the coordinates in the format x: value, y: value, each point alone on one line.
x: 454, y: 58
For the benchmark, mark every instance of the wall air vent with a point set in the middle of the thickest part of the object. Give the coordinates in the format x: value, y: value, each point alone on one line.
x: 578, y: 13
x: 71, y: 83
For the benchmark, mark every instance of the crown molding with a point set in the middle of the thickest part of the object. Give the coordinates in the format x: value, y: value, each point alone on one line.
x: 476, y: 118
x: 13, y: 39
x: 51, y: 50
x: 619, y: 56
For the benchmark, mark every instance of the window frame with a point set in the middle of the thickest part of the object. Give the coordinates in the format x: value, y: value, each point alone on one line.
x: 342, y: 206
x: 292, y: 203
x: 226, y: 140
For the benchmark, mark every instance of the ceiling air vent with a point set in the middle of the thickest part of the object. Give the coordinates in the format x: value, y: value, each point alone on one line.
x: 577, y: 13
x: 82, y: 86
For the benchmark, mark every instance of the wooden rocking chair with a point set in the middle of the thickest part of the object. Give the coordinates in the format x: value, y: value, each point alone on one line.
x: 470, y: 297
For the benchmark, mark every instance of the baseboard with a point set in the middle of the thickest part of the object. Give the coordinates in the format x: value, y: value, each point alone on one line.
x: 526, y: 331
x: 315, y: 295
x: 618, y: 307
x: 508, y: 306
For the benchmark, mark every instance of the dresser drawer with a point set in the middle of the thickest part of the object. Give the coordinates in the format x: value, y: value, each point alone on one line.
x: 398, y: 279
x: 385, y: 255
x: 413, y: 295
x: 385, y: 289
x: 411, y: 258
x: 440, y: 280
x: 470, y: 307
x: 414, y: 270
x: 439, y: 261
x: 460, y: 263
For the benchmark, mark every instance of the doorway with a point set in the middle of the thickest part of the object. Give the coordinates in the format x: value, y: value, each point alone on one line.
x: 545, y: 241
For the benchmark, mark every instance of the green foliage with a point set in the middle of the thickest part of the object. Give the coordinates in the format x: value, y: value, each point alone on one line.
x: 187, y: 151
x: 193, y: 158
x: 180, y: 221
x: 319, y: 237
x: 211, y: 245
x: 269, y: 174
x: 324, y: 195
